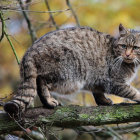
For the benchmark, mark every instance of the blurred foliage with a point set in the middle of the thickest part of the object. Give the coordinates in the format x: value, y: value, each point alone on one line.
x: 103, y: 15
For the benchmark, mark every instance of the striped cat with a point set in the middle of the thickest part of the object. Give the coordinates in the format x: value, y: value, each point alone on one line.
x: 71, y: 59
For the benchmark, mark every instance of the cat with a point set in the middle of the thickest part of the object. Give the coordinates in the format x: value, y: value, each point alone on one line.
x: 67, y: 60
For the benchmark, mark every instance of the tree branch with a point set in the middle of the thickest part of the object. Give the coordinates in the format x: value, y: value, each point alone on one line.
x: 2, y: 26
x: 30, y: 27
x: 104, y: 132
x: 31, y: 11
x: 51, y: 16
x: 7, y: 36
x: 74, y: 116
x: 73, y: 12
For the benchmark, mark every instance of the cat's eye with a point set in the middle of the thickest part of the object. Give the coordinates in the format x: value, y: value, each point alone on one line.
x: 123, y: 46
x: 135, y: 48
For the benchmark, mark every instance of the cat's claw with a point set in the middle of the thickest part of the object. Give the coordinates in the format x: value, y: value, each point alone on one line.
x: 52, y: 102
x: 110, y: 102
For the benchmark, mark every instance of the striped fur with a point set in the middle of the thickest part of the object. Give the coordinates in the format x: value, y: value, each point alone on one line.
x: 71, y: 59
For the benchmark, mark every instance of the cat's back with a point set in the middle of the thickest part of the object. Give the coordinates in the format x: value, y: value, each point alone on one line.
x: 71, y: 48
x: 74, y: 45
x: 84, y: 41
x: 72, y: 38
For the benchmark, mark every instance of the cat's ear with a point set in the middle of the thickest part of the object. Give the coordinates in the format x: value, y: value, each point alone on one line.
x: 122, y: 30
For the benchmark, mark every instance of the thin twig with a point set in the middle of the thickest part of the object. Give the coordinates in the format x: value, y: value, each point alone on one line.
x: 113, y: 133
x: 12, y: 46
x: 105, y: 133
x: 40, y: 130
x: 3, y: 27
x: 126, y: 127
x: 18, y: 7
x: 47, y: 24
x: 32, y: 11
x: 51, y: 16
x: 30, y: 27
x: 7, y: 36
x: 3, y: 98
x: 73, y: 12
x: 24, y: 130
x: 1, y: 103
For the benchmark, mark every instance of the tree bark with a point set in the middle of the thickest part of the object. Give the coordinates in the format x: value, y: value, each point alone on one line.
x: 73, y: 116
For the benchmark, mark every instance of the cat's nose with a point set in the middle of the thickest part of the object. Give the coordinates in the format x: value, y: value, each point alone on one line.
x: 128, y: 52
x: 127, y: 55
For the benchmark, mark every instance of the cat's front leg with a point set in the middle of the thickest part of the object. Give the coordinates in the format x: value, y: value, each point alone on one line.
x: 44, y: 94
x: 100, y: 98
x: 126, y: 91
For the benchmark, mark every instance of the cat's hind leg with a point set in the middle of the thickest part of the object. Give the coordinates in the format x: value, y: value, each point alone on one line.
x: 99, y: 96
x: 44, y: 94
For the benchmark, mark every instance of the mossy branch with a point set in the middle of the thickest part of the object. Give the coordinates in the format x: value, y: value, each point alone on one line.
x: 4, y: 33
x: 74, y: 116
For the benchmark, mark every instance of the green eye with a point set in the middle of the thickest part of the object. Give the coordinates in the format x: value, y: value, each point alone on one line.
x: 135, y: 48
x: 124, y: 46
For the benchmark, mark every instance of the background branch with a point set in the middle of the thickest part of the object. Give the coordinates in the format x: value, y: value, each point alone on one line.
x: 2, y: 26
x: 73, y: 12
x: 32, y: 11
x: 51, y: 16
x: 30, y: 27
x: 7, y: 36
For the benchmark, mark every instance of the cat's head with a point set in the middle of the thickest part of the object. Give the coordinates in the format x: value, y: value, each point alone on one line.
x: 127, y: 45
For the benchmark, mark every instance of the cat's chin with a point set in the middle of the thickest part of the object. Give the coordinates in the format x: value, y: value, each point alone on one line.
x: 128, y: 61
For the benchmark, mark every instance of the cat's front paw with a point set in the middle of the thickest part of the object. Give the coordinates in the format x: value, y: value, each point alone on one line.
x: 138, y: 101
x: 52, y: 102
x: 136, y: 98
x: 104, y: 101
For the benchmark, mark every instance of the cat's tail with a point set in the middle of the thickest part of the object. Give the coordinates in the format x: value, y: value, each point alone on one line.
x: 27, y: 89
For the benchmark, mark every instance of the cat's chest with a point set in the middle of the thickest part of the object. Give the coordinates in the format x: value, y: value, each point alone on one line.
x: 131, y: 77
x: 123, y: 75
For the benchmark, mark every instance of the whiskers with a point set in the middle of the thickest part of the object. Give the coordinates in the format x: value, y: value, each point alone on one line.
x: 136, y: 62
x: 116, y: 65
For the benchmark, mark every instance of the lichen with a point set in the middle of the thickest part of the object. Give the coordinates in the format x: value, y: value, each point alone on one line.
x: 64, y: 109
x: 84, y: 116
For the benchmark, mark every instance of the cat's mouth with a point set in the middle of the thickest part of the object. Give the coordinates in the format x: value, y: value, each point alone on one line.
x: 128, y: 60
